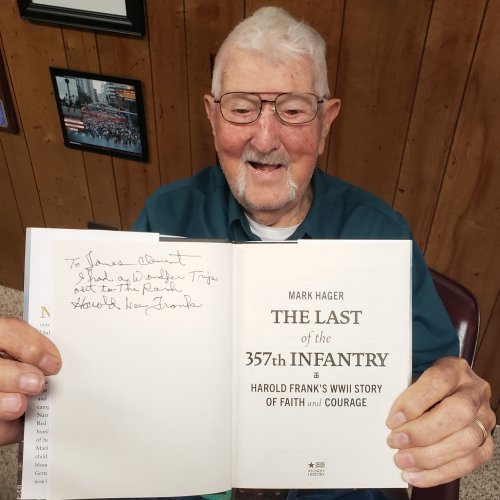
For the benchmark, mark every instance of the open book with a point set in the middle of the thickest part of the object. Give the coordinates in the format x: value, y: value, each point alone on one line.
x: 191, y: 367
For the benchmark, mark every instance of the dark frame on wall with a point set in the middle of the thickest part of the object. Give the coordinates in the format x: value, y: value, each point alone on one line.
x: 8, y: 121
x: 102, y: 114
x: 132, y: 23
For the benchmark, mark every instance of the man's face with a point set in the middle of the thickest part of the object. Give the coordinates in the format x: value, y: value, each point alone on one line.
x: 268, y: 164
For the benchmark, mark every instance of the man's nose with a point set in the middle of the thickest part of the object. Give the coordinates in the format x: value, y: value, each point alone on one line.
x: 266, y: 129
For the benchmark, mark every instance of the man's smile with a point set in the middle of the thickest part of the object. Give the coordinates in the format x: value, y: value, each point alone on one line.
x: 265, y: 167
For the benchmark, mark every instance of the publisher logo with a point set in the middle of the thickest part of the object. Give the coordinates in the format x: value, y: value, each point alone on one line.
x: 316, y: 469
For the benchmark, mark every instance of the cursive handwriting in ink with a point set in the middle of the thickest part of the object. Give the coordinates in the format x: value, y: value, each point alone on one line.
x: 93, y: 262
x: 202, y: 275
x: 172, y: 259
x: 159, y: 304
x: 105, y: 303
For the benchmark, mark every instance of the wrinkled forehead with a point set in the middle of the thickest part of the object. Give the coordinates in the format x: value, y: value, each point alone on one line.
x: 247, y: 71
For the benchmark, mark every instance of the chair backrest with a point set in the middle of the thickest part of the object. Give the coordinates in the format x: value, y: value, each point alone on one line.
x: 463, y: 310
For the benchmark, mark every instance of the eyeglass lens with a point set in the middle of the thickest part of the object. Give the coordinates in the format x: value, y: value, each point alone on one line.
x: 239, y: 107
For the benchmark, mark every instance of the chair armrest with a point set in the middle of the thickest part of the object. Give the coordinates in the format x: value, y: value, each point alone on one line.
x: 448, y: 491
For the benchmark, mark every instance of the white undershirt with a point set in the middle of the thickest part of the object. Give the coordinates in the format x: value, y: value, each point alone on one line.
x: 268, y: 233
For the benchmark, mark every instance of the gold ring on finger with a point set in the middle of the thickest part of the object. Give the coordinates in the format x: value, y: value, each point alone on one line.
x: 483, y: 430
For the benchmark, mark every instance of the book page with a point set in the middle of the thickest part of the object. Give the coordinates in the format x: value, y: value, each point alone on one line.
x: 37, y: 311
x: 322, y: 351
x: 142, y: 404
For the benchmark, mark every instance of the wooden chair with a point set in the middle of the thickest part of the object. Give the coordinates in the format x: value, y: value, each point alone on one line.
x: 463, y: 310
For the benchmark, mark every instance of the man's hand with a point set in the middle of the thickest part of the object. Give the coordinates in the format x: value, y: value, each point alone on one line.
x: 26, y: 356
x: 433, y: 426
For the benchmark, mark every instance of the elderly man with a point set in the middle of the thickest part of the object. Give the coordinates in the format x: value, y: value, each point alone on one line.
x: 270, y: 113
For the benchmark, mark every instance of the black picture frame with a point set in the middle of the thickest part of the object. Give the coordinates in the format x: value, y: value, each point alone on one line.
x: 102, y: 114
x: 132, y: 23
x: 8, y: 121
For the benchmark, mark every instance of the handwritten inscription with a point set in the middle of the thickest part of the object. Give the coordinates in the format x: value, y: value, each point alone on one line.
x: 149, y: 282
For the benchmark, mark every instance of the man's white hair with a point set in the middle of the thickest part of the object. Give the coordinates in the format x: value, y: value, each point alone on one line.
x: 274, y: 34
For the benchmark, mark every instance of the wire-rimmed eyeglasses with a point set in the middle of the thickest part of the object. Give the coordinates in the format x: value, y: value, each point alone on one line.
x: 246, y: 107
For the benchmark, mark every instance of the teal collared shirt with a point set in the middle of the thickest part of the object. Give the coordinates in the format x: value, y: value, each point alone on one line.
x: 204, y: 207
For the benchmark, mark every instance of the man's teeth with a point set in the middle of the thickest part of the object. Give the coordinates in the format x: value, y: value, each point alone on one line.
x: 266, y: 166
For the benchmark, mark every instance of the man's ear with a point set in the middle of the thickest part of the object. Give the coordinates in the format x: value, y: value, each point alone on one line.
x: 209, y: 108
x: 331, y: 109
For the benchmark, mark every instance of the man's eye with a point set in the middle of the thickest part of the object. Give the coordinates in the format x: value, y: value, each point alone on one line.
x: 240, y: 111
x: 293, y: 112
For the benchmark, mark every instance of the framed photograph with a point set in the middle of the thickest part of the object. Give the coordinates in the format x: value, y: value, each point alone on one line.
x: 100, y: 113
x: 8, y: 122
x: 118, y: 16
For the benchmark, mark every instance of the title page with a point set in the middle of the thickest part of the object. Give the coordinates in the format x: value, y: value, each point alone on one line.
x: 142, y: 404
x: 322, y: 351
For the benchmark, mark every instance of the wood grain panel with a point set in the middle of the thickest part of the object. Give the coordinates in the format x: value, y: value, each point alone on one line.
x: 11, y: 232
x: 401, y: 90
x: 208, y: 22
x: 23, y: 179
x: 59, y: 171
x: 450, y: 44
x: 380, y: 56
x: 81, y: 50
x: 167, y: 43
x: 129, y: 57
x: 465, y: 236
x: 21, y: 173
x: 81, y: 55
x: 488, y: 354
x: 326, y: 18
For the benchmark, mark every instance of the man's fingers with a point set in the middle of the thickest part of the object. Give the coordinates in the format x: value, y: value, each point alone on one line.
x: 449, y: 416
x: 446, y: 377
x: 20, y: 377
x: 451, y: 470
x: 462, y: 443
x: 12, y: 405
x: 21, y: 342
x: 26, y: 357
x: 433, y: 386
x: 437, y: 424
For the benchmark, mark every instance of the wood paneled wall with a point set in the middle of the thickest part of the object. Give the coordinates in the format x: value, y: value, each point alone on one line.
x: 420, y: 123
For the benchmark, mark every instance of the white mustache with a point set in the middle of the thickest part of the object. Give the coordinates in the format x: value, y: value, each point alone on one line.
x: 273, y: 158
